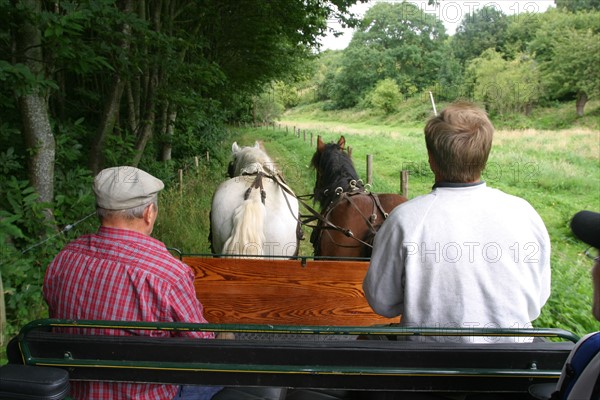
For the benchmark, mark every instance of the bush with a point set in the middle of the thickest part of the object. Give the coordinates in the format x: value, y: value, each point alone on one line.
x: 385, y: 96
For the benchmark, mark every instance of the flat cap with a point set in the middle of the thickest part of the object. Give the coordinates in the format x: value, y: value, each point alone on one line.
x: 120, y: 188
x: 586, y: 226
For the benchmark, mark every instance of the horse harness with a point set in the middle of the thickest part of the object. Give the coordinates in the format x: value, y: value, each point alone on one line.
x: 278, y: 179
x: 257, y: 184
x: 325, y: 225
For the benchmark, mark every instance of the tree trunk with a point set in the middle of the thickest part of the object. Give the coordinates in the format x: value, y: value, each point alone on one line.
x: 40, y: 143
x: 167, y: 146
x: 113, y: 99
x: 2, y: 313
x: 582, y: 99
x: 107, y: 124
x: 152, y: 82
x: 33, y: 108
x: 149, y: 118
x: 132, y: 106
x: 143, y: 137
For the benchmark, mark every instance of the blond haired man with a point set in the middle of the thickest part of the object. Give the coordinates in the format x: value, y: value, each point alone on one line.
x: 464, y: 255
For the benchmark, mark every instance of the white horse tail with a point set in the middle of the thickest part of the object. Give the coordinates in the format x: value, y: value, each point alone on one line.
x: 248, y: 234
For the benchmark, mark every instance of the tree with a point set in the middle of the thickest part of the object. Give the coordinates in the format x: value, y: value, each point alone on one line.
x: 33, y: 105
x: 89, y: 83
x: 575, y: 67
x: 124, y: 71
x: 360, y: 69
x: 397, y: 41
x: 521, y: 30
x: 482, y: 30
x: 113, y: 96
x: 578, y: 5
x: 386, y: 96
x: 504, y: 86
x: 566, y: 48
x: 449, y: 84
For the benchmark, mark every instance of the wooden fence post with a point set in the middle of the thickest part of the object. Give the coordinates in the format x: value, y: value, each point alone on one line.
x: 196, y: 163
x: 180, y: 181
x: 404, y: 183
x: 2, y: 314
x: 369, y: 169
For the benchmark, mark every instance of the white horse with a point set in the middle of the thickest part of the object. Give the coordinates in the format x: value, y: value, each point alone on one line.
x: 254, y: 212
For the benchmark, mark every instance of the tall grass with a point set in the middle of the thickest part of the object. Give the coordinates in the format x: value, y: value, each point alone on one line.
x: 558, y: 172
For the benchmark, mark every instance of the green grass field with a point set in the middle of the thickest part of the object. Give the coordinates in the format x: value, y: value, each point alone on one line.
x: 558, y: 172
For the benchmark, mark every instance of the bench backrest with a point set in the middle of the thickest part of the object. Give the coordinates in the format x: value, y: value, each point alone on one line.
x: 349, y: 364
x: 286, y: 292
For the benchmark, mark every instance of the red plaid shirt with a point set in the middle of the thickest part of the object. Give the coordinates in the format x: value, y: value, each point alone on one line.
x: 120, y: 274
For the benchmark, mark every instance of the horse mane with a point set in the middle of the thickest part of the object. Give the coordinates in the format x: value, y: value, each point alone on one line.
x: 334, y: 169
x: 251, y: 160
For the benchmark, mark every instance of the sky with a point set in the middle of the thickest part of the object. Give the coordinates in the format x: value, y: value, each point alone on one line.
x: 450, y: 12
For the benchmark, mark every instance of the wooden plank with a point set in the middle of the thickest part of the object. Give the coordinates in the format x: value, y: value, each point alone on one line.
x: 283, y: 292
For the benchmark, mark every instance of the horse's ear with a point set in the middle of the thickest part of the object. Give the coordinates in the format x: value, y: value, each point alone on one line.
x: 256, y: 145
x: 235, y: 148
x: 320, y: 144
x: 342, y: 142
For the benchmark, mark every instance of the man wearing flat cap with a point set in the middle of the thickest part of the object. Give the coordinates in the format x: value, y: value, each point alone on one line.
x: 121, y: 273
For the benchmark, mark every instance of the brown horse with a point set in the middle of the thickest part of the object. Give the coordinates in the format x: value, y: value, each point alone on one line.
x: 351, y: 215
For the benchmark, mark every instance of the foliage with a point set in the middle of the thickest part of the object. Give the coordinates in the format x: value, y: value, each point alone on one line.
x: 535, y: 63
x: 324, y: 77
x: 567, y: 47
x: 286, y: 94
x: 385, y: 96
x: 394, y: 40
x: 267, y: 108
x: 450, y: 80
x: 357, y: 74
x: 553, y: 24
x: 28, y: 242
x: 22, y: 274
x: 504, y: 86
x: 110, y: 74
x: 578, y: 5
x: 150, y: 59
x: 483, y: 29
x: 521, y: 30
x: 579, y: 52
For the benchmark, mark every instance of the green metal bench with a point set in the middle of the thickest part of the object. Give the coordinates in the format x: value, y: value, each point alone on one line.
x: 303, y: 360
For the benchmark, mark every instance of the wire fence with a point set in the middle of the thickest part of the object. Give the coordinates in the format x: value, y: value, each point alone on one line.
x: 309, y: 138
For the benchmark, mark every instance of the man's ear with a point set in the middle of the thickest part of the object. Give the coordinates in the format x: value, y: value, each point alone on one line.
x: 430, y: 158
x: 149, y: 213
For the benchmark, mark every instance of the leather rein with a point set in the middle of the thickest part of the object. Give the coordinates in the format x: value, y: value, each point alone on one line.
x: 278, y: 179
x: 349, y: 197
x: 324, y: 224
